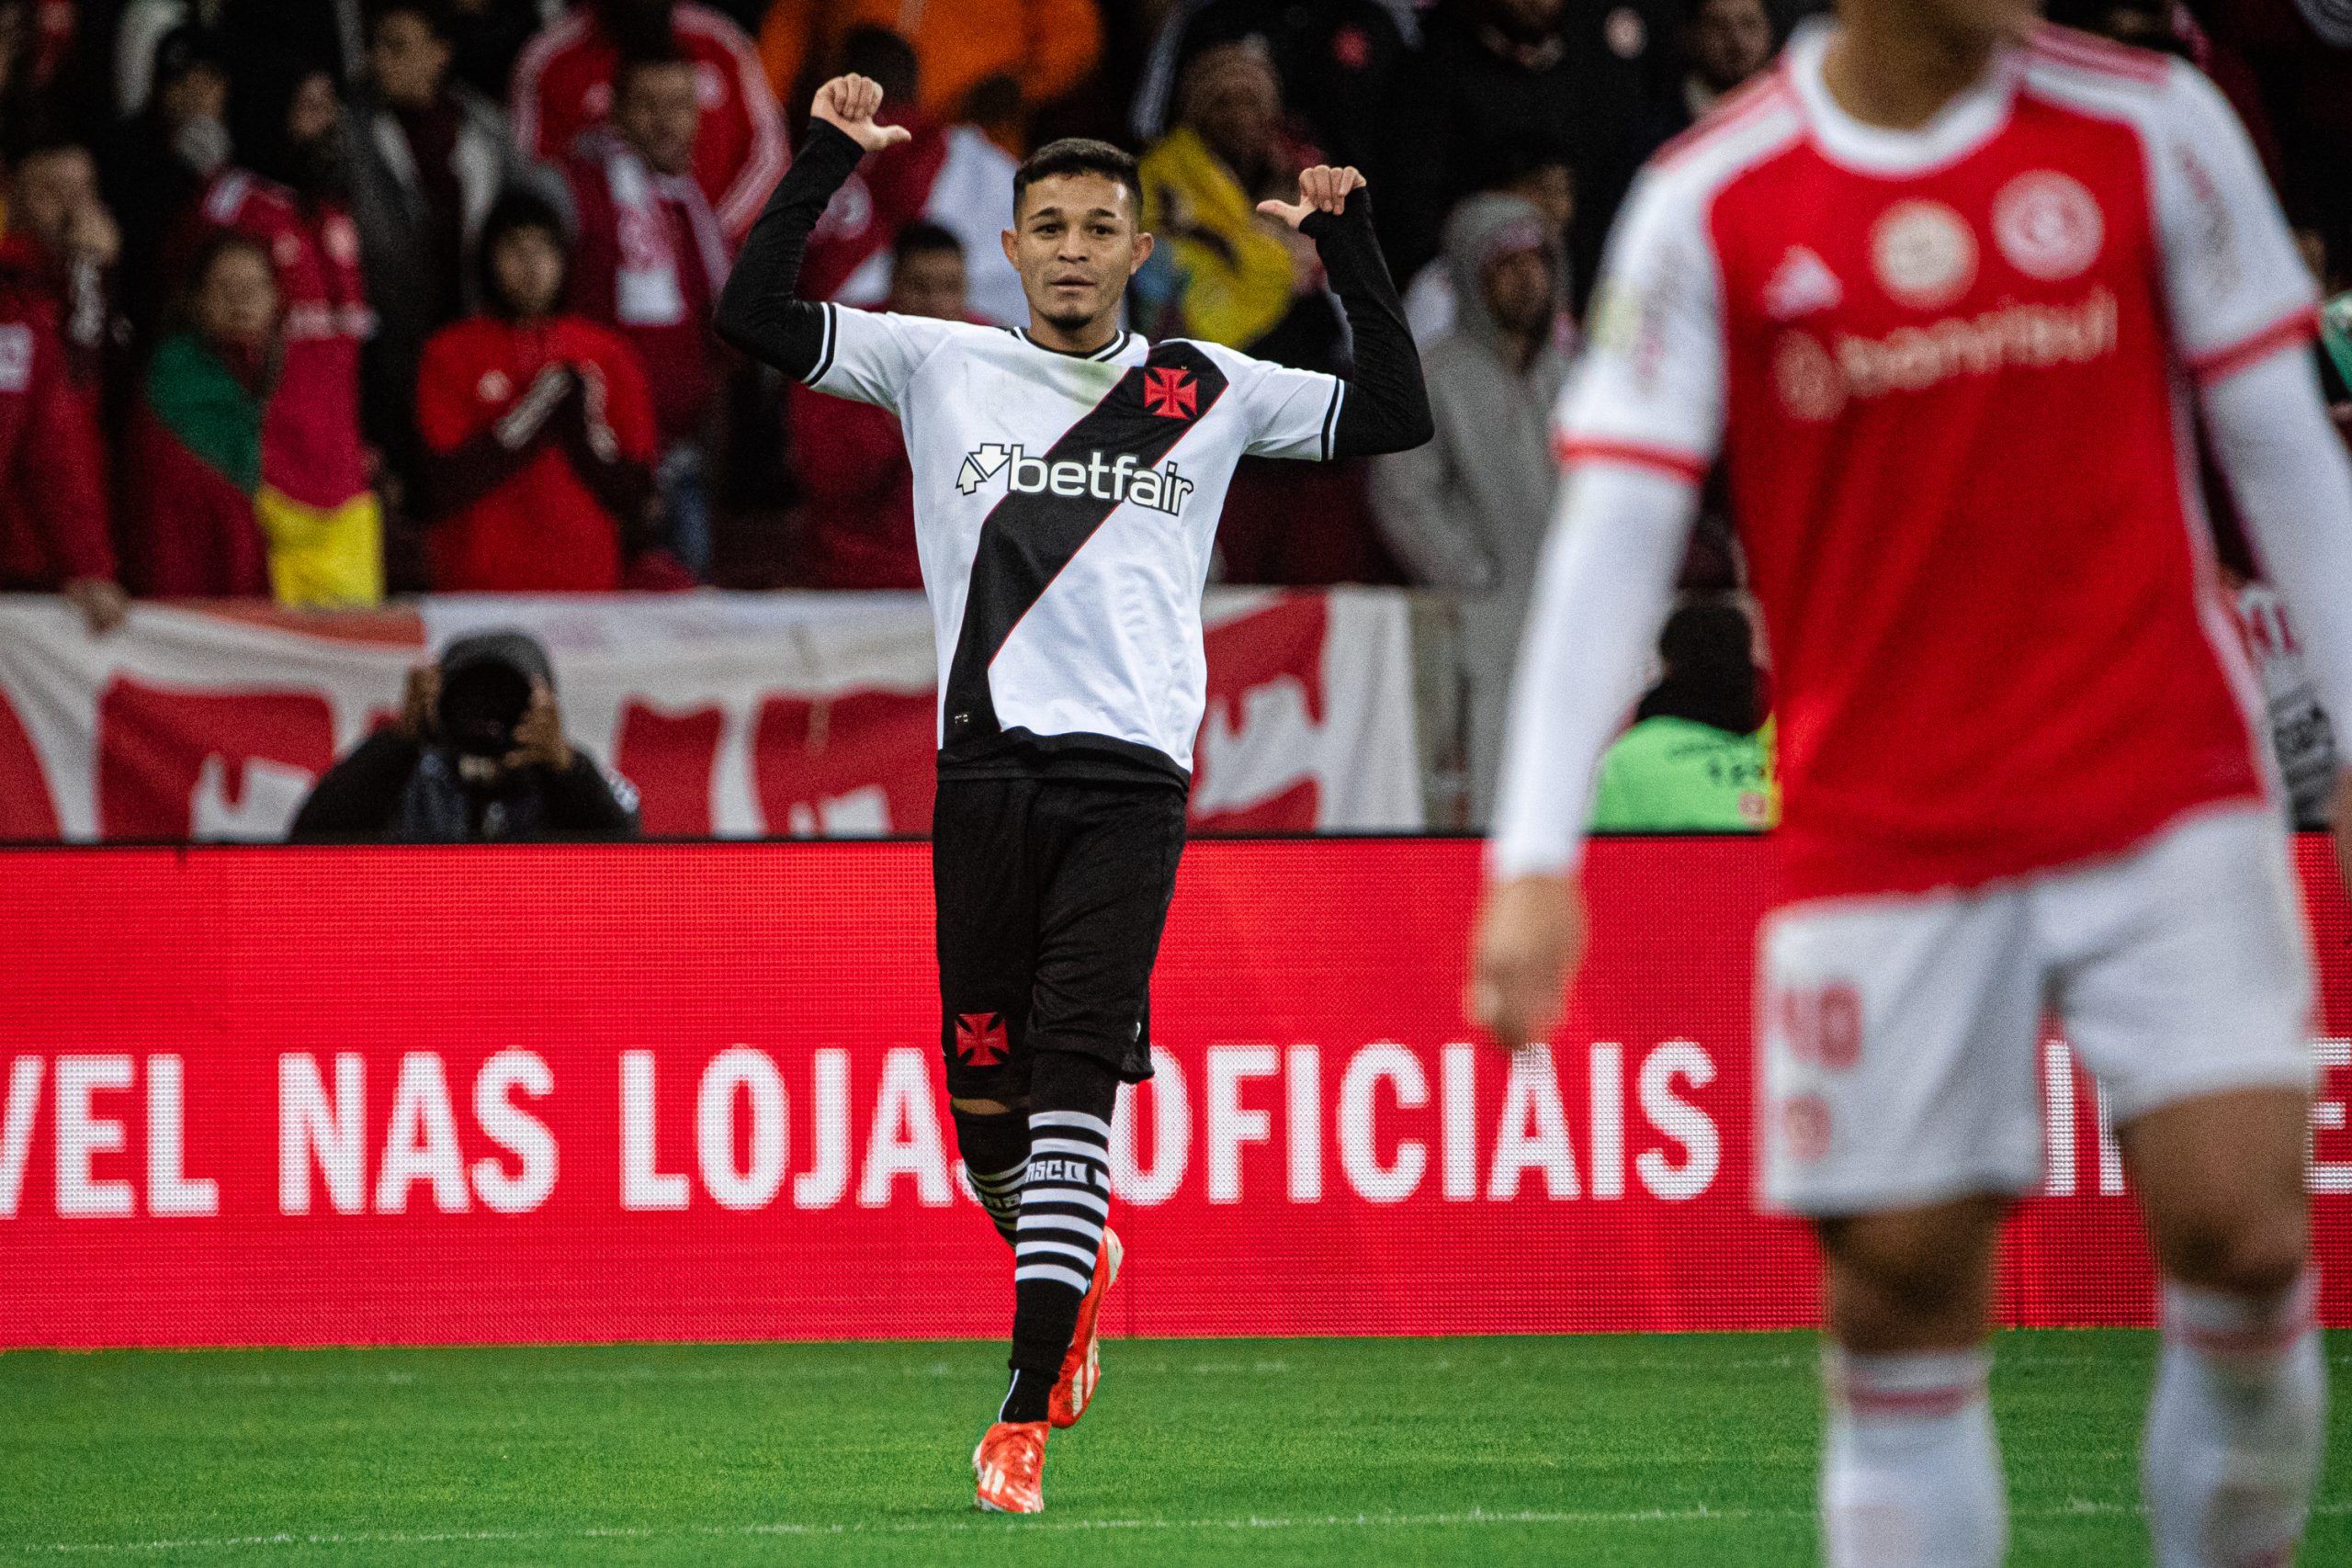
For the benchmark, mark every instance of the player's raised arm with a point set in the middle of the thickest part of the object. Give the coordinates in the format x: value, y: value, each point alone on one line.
x: 1386, y: 408
x: 760, y: 311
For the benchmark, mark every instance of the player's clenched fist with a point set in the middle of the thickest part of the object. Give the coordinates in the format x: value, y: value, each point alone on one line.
x: 1530, y: 940
x: 849, y: 104
x: 1320, y: 190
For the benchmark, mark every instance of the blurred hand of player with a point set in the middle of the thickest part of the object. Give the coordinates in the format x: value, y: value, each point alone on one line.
x: 1320, y: 190
x: 538, y: 738
x: 1529, y: 943
x: 848, y: 104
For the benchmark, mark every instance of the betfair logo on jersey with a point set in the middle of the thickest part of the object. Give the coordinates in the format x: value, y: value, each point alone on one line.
x: 1163, y: 489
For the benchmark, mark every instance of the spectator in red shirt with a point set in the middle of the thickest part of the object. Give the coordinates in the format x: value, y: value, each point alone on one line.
x: 53, y: 527
x: 539, y: 430
x: 53, y: 199
x: 566, y: 81
x: 649, y: 263
x: 853, y: 459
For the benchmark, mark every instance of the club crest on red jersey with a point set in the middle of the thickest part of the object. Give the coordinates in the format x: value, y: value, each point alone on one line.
x: 981, y: 1039
x: 2048, y: 225
x: 1169, y: 392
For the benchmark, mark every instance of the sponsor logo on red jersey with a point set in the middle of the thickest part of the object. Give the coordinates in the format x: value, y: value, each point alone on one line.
x: 1816, y: 381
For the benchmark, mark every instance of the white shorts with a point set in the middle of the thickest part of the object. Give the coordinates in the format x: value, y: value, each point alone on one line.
x: 1898, y: 1038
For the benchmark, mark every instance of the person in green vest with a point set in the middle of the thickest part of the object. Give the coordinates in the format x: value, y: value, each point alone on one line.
x: 1699, y: 756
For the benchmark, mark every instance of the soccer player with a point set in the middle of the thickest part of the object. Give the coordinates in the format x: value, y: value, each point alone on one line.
x: 1067, y: 483
x: 1947, y: 291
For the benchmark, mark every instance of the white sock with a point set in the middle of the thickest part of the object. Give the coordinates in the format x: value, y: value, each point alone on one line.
x: 1911, y: 1471
x: 2236, y: 1428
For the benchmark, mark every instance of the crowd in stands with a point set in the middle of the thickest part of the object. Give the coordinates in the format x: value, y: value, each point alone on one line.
x: 327, y: 300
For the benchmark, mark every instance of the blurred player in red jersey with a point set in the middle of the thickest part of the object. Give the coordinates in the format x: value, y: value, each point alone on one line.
x: 1947, y: 290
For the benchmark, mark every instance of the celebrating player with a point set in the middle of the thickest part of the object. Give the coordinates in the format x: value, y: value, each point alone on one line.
x: 1947, y: 291
x: 1068, y: 481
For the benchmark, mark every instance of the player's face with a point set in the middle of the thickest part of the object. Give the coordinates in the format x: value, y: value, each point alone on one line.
x: 1076, y: 242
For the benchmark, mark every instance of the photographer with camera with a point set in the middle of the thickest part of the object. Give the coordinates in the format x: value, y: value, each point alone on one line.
x: 479, y: 756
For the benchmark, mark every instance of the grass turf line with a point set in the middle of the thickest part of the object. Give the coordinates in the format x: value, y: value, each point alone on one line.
x: 1627, y: 1450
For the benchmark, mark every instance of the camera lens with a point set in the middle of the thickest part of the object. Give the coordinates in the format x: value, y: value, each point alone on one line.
x: 480, y: 706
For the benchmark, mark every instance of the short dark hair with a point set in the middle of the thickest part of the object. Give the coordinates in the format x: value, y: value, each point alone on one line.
x: 653, y: 57
x: 433, y: 14
x: 1079, y: 155
x: 883, y: 54
x: 922, y: 237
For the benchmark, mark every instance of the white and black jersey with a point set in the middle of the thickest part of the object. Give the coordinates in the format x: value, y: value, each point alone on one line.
x: 1065, y: 511
x: 1065, y: 505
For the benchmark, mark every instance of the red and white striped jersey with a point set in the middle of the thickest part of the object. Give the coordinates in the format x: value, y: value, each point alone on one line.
x: 1949, y: 372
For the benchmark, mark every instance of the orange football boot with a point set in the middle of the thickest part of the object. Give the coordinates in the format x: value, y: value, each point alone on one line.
x: 1082, y: 1366
x: 1010, y: 1464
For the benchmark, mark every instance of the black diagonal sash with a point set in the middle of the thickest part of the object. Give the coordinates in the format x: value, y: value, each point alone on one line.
x: 1028, y: 539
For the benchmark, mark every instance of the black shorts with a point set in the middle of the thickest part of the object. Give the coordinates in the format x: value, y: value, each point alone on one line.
x: 1051, y: 894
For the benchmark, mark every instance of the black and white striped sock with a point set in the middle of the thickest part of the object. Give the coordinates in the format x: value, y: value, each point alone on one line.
x: 999, y: 1194
x: 995, y: 1147
x: 1064, y: 1201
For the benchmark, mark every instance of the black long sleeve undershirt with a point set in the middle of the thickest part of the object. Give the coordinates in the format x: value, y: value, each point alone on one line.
x: 1386, y: 408
x: 760, y: 311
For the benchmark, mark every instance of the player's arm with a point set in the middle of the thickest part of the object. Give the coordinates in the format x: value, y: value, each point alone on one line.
x: 1638, y: 427
x: 2289, y: 472
x: 1384, y: 406
x: 2244, y: 314
x: 760, y: 311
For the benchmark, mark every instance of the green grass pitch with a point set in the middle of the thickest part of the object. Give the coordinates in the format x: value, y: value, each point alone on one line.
x: 1633, y: 1451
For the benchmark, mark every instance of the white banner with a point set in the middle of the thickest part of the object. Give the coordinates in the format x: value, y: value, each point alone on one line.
x: 734, y: 715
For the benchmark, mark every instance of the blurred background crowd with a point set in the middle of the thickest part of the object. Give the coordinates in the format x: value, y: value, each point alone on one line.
x: 323, y: 300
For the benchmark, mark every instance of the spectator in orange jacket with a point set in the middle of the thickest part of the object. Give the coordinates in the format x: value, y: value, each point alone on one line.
x: 539, y: 430
x: 986, y: 60
x: 53, y: 529
x: 563, y: 85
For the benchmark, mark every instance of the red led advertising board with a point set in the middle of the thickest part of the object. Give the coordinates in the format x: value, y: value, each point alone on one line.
x: 286, y: 1096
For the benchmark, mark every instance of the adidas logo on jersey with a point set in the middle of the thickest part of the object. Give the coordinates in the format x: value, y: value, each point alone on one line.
x: 1158, y: 490
x: 1803, y: 285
